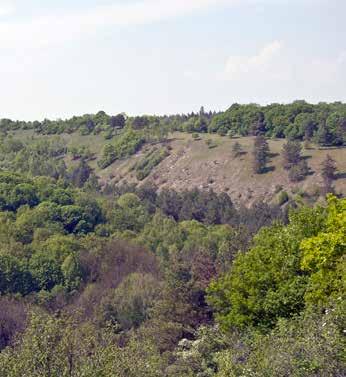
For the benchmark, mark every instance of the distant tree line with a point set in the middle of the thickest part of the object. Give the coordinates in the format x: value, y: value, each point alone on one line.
x: 322, y: 123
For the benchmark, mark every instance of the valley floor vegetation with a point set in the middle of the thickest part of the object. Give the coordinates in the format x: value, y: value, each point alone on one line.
x: 129, y: 280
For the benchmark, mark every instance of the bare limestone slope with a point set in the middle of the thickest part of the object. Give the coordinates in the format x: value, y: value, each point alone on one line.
x: 193, y: 164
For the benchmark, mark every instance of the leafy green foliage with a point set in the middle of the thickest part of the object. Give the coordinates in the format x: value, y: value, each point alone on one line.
x: 324, y: 256
x: 283, y: 198
x: 129, y: 304
x: 35, y: 157
x: 266, y: 282
x: 55, y: 347
x: 148, y: 163
x: 287, y: 269
x: 325, y: 123
x: 309, y: 345
x: 14, y: 277
x: 299, y: 171
x: 42, y: 214
x: 125, y: 145
x: 128, y: 213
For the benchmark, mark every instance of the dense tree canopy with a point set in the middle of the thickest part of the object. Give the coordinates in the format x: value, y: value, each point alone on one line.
x: 288, y: 268
x: 324, y: 122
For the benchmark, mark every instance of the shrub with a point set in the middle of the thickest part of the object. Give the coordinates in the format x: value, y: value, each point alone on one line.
x: 267, y: 282
x: 152, y: 159
x: 128, y: 305
x: 298, y: 172
x: 309, y: 345
x: 231, y: 133
x: 283, y: 198
x: 237, y: 150
x: 210, y: 143
x: 126, y: 145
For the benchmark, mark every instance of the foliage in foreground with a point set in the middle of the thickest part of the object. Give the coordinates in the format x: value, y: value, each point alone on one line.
x: 288, y: 269
x: 135, y: 282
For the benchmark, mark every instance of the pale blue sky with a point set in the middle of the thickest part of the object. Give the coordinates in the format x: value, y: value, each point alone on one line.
x: 60, y: 58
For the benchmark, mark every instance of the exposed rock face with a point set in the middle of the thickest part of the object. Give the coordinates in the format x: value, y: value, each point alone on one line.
x: 193, y: 164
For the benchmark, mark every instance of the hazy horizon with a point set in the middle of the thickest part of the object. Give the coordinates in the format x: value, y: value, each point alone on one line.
x: 196, y: 111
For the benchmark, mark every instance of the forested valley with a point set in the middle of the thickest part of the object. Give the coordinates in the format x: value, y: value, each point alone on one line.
x: 100, y: 276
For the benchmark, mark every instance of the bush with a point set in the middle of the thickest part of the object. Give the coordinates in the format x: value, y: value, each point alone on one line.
x: 210, y: 143
x: 128, y: 305
x: 126, y: 145
x: 298, y: 172
x: 151, y: 159
x: 231, y: 133
x: 14, y: 276
x: 278, y: 188
x: 283, y: 198
x: 237, y: 150
x: 309, y: 345
x: 267, y: 282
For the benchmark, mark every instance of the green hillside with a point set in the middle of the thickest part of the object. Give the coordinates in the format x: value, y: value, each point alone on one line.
x: 190, y: 163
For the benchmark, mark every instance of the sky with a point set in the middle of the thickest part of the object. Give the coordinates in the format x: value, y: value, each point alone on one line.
x: 60, y: 58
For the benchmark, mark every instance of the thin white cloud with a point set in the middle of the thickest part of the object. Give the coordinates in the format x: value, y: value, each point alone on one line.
x: 59, y: 26
x: 277, y: 71
x: 49, y: 29
x: 237, y: 66
x: 275, y: 62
